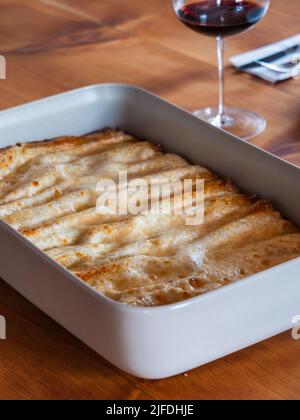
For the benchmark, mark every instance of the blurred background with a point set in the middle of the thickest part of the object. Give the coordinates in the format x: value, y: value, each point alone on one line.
x: 56, y: 45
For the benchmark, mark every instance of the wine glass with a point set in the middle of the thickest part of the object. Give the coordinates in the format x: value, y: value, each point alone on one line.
x: 221, y: 19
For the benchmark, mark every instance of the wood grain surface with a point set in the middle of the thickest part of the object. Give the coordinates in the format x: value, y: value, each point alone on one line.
x: 56, y: 45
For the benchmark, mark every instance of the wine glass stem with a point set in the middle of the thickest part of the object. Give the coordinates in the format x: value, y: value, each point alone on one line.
x: 220, y: 47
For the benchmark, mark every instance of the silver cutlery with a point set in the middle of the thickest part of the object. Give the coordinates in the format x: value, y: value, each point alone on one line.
x: 281, y: 68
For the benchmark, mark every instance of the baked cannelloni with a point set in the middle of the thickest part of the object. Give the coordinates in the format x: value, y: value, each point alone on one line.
x: 48, y: 193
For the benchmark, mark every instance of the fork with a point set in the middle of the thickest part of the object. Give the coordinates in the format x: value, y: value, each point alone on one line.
x: 283, y: 68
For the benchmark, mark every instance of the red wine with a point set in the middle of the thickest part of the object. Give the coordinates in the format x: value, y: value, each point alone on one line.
x: 226, y: 19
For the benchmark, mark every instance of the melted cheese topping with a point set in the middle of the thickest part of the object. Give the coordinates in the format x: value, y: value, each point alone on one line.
x: 48, y: 193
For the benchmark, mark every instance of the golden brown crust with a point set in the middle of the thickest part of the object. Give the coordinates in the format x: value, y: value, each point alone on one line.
x: 48, y: 193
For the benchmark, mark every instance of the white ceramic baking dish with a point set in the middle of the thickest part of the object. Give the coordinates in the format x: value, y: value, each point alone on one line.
x: 164, y: 341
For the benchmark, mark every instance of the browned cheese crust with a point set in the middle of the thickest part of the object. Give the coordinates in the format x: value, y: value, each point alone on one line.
x: 48, y: 193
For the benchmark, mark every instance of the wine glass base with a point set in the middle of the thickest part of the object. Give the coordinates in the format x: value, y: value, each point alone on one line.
x: 239, y: 122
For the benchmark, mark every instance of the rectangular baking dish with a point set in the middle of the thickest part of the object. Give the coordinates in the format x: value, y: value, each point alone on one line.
x: 155, y: 342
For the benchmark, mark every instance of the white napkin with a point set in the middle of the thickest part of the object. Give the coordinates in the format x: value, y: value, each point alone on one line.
x: 281, y: 52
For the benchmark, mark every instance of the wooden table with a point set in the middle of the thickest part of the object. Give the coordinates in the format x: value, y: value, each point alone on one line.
x: 56, y: 45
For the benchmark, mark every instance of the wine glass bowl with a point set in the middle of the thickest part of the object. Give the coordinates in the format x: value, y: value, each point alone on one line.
x: 221, y: 19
